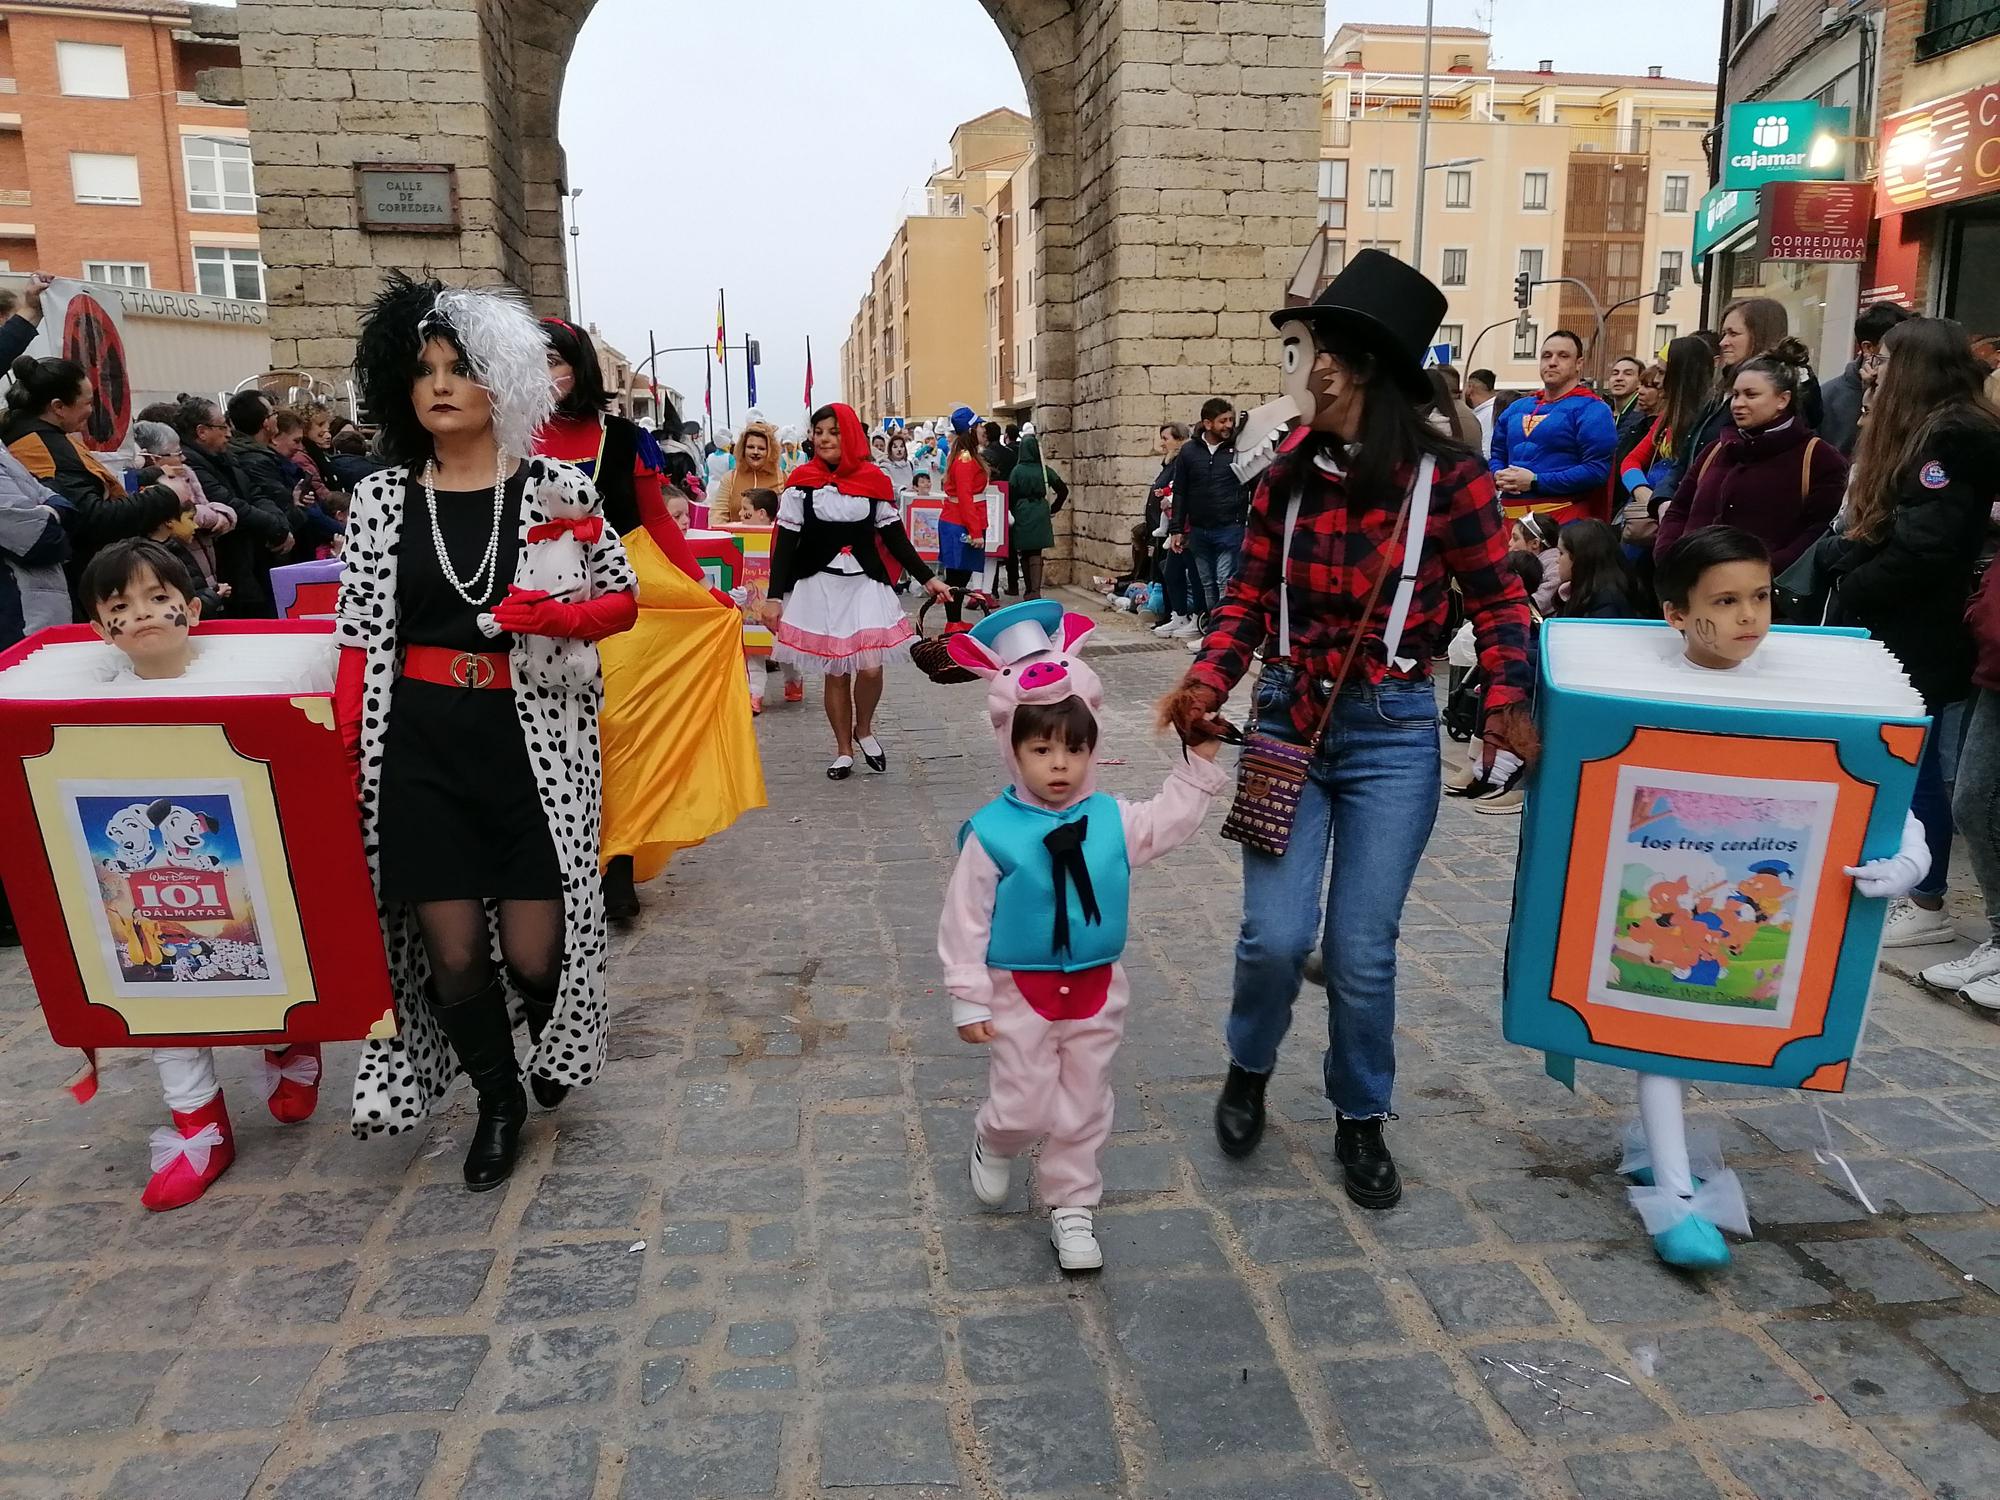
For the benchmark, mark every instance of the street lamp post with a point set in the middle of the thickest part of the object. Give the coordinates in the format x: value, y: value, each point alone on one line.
x: 575, y: 252
x: 1424, y: 133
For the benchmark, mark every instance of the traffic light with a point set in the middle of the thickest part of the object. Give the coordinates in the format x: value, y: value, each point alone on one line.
x: 1522, y: 284
x: 1660, y: 296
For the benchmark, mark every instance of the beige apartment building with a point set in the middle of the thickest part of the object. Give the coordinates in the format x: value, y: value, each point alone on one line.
x: 924, y: 337
x: 1588, y: 175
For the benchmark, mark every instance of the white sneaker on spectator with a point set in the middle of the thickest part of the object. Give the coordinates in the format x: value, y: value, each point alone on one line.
x: 1074, y: 1235
x: 1189, y: 626
x: 1914, y: 926
x: 1984, y: 993
x: 1982, y: 962
x: 1168, y: 626
x: 1195, y: 642
x: 990, y: 1174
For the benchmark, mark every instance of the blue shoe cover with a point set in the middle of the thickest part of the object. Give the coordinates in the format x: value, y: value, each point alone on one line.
x: 1694, y: 1244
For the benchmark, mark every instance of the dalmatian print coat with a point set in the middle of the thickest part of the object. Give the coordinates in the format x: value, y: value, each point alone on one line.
x: 401, y: 1079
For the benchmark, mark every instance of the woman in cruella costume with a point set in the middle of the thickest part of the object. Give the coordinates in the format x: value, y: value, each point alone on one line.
x: 469, y: 705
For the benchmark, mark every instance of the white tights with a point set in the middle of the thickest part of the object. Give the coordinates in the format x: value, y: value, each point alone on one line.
x: 187, y: 1077
x: 1662, y: 1114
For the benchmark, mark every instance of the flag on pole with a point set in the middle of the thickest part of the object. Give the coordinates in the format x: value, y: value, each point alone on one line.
x: 708, y: 395
x: 721, y: 327
x: 750, y: 372
x: 809, y: 374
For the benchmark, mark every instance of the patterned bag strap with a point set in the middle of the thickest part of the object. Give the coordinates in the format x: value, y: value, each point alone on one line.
x: 1389, y: 565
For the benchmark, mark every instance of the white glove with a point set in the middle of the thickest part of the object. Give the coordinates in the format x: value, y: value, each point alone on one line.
x: 1898, y: 873
x: 740, y: 597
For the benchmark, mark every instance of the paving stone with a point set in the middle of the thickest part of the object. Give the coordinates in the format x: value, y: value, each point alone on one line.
x: 1203, y: 1411
x: 590, y: 1143
x: 568, y: 1281
x: 27, y: 1301
x: 1904, y: 1187
x: 1970, y: 1345
x: 773, y: 1242
x: 1902, y: 1124
x: 208, y: 1474
x: 1639, y: 1476
x: 759, y: 1188
x: 1887, y: 1270
x: 1711, y: 1372
x: 1202, y: 1320
x: 1617, y: 1407
x: 984, y: 1255
x: 224, y: 1390
x: 440, y: 1285
x: 1047, y: 1440
x: 761, y: 1340
x: 417, y: 1373
x: 151, y: 1303
x: 1794, y: 1125
x: 1383, y: 1403
x: 1157, y: 1239
x: 1977, y: 1168
x: 755, y: 1378
x: 61, y: 1230
x: 1305, y: 1484
x: 1340, y: 1309
x: 866, y: 1443
x: 739, y: 1132
x: 1976, y: 1252
x: 1426, y: 1219
x: 1767, y: 1278
x: 438, y: 1209
x: 263, y: 1296
x: 543, y: 1465
x: 1484, y: 1294
x: 883, y: 1346
x: 1780, y: 1197
x: 1866, y: 1368
x: 1279, y: 1230
x: 885, y: 1134
x: 679, y: 1330
x: 1953, y: 1458
x: 1920, y: 1070
x: 865, y: 1187
x: 560, y: 1367
x: 708, y: 1459
x: 1781, y: 1469
x: 886, y: 1260
x: 1039, y: 1347
x: 1446, y: 1482
x: 392, y: 1467
x: 657, y: 1377
x: 696, y: 1237
x: 298, y: 1221
x: 1628, y: 1284
x: 586, y: 1200
x: 85, y: 1392
x: 1533, y: 1210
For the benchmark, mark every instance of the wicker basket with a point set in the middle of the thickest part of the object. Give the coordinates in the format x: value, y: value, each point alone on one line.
x: 932, y: 656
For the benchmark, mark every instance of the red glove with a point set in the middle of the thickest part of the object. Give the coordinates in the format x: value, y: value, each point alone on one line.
x: 347, y: 710
x: 524, y: 613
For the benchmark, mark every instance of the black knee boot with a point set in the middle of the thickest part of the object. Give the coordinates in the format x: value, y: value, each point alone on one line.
x: 540, y: 1007
x: 482, y: 1038
x: 621, y: 900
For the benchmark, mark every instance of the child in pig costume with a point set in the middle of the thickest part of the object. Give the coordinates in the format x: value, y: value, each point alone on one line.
x: 1034, y: 918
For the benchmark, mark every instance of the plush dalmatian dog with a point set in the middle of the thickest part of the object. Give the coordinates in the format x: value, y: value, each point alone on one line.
x: 183, y: 831
x: 132, y: 831
x: 553, y: 562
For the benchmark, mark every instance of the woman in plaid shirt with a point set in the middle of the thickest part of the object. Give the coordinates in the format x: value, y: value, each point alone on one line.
x: 1353, y: 360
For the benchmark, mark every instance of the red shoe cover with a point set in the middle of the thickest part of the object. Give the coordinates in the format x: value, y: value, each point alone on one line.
x: 957, y: 627
x: 795, y: 692
x: 289, y: 1078
x: 187, y: 1158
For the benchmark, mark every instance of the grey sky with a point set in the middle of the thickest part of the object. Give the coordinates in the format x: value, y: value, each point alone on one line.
x: 769, y: 147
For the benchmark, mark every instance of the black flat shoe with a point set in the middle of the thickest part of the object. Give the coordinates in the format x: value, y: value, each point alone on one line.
x: 876, y: 763
x: 838, y: 772
x: 621, y: 899
x: 1239, y: 1112
x: 1364, y: 1156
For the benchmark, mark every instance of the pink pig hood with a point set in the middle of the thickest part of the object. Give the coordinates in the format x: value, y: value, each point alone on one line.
x: 1029, y: 653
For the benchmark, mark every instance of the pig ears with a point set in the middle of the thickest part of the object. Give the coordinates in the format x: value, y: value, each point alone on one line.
x: 1075, y: 628
x: 971, y: 654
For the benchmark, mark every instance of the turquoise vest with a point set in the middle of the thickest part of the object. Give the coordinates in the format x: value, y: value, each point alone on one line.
x: 1023, y: 936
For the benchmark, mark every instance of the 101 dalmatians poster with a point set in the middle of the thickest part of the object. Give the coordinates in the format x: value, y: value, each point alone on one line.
x: 179, y: 907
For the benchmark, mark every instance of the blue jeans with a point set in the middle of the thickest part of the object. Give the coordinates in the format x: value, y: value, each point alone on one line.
x: 1177, y: 578
x: 1932, y: 805
x: 1216, y: 550
x: 1371, y: 796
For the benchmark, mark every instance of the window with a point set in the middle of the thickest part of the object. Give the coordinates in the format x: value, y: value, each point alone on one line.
x: 1527, y: 340
x: 1746, y: 16
x: 1676, y: 199
x: 220, y: 272
x: 1387, y: 247
x: 1454, y: 267
x: 1381, y: 187
x: 89, y: 71
x: 1535, y: 192
x: 1457, y: 189
x: 104, y: 179
x: 1664, y: 334
x: 1333, y: 194
x: 1452, y: 334
x: 118, y: 273
x: 1672, y: 268
x: 1531, y: 263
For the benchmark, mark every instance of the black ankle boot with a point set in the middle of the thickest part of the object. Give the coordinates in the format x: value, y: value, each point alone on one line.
x: 621, y: 900
x: 1239, y: 1113
x: 539, y: 1006
x: 482, y: 1037
x: 1371, y: 1172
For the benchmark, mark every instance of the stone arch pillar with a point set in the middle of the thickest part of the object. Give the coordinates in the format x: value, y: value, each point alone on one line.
x: 1179, y: 142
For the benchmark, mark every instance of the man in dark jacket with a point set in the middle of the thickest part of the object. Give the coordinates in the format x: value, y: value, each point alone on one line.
x: 1841, y: 397
x: 1210, y: 502
x: 999, y: 460
x: 263, y: 531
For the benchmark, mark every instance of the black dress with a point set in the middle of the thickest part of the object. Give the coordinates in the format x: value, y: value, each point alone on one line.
x: 461, y: 815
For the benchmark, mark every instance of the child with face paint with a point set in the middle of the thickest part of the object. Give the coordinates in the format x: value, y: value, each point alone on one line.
x: 140, y: 599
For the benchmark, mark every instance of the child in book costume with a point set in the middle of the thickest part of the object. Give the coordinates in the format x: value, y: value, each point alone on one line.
x: 1034, y: 918
x: 1693, y: 900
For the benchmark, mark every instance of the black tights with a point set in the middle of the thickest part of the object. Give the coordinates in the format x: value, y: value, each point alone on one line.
x: 958, y: 578
x: 461, y: 951
x: 1031, y: 573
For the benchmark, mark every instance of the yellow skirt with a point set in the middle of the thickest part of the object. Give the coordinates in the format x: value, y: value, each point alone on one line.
x: 680, y: 756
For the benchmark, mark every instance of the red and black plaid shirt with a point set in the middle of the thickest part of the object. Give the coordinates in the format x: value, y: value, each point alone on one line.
x: 1338, y: 549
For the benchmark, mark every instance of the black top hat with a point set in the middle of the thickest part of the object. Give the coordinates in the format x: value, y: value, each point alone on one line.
x: 1391, y: 307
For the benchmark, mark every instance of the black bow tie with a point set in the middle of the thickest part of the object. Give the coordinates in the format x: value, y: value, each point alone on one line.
x: 1065, y: 846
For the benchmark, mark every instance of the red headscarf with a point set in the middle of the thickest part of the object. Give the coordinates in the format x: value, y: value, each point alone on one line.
x: 857, y: 475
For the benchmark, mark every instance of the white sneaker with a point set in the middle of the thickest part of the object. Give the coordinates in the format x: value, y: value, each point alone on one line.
x: 1168, y: 626
x: 1982, y: 962
x: 1075, y: 1239
x: 990, y: 1174
x: 1984, y: 993
x: 1914, y: 926
x: 1188, y: 627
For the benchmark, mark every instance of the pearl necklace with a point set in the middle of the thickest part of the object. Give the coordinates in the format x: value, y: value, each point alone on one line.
x: 475, y: 589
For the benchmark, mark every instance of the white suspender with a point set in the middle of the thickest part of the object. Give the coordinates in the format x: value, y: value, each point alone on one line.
x: 1406, y: 587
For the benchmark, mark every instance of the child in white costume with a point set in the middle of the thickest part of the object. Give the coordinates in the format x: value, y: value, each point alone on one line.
x: 1034, y: 917
x: 1716, y: 588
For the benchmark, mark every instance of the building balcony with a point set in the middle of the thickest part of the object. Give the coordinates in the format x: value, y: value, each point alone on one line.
x: 1951, y: 24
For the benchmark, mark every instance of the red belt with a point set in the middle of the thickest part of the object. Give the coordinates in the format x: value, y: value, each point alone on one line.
x: 461, y: 669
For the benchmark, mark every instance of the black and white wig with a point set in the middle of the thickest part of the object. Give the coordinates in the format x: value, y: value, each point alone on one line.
x: 491, y: 327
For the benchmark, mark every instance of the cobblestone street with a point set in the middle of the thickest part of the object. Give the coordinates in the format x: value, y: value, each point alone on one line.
x: 747, y: 1262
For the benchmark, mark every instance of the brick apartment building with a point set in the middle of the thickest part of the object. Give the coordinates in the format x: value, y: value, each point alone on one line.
x: 111, y: 168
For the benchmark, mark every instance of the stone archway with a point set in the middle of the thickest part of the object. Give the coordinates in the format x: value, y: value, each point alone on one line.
x: 1179, y: 141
